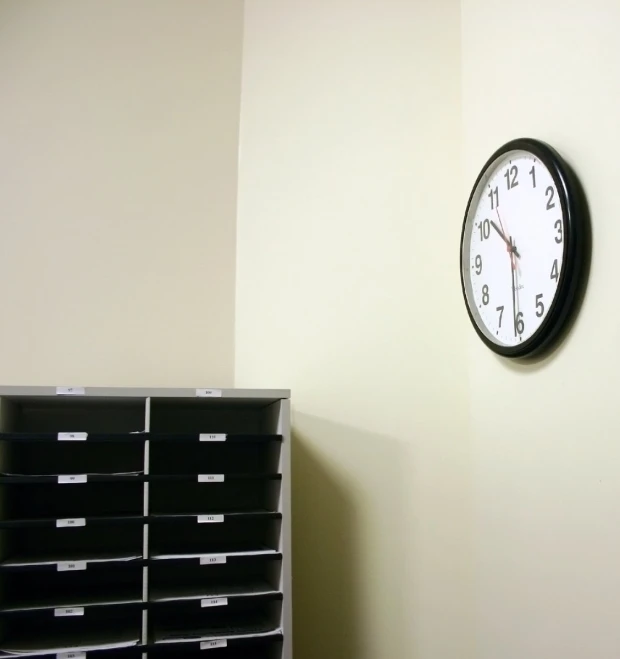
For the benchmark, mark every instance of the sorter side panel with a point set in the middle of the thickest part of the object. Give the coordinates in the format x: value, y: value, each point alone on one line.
x: 145, y: 542
x: 284, y: 429
x: 6, y: 424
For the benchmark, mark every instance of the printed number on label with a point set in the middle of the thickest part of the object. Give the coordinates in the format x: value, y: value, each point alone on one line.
x: 73, y: 478
x: 210, y: 519
x: 72, y: 436
x: 214, y: 601
x: 69, y: 567
x: 210, y: 645
x: 70, y: 391
x: 75, y: 611
x: 66, y: 523
x: 212, y: 437
x: 208, y: 393
x: 212, y: 560
x: 210, y: 478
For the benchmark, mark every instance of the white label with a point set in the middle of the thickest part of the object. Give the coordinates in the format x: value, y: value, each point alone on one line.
x: 210, y: 478
x: 71, y: 566
x: 208, y: 393
x: 70, y: 391
x: 212, y: 560
x: 214, y: 601
x: 73, y: 478
x: 74, y: 611
x: 216, y: 643
x: 72, y: 436
x: 71, y: 655
x: 210, y: 519
x: 218, y: 437
x: 65, y: 523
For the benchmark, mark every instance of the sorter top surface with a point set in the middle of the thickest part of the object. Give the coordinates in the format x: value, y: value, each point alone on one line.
x: 241, y: 395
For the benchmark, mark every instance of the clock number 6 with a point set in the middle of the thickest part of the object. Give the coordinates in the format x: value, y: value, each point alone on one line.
x: 519, y: 325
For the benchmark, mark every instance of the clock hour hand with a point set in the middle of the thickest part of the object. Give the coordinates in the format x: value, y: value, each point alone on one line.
x: 509, y: 245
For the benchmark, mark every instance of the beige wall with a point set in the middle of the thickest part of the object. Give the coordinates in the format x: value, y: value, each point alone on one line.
x: 118, y: 156
x: 546, y: 470
x: 350, y: 202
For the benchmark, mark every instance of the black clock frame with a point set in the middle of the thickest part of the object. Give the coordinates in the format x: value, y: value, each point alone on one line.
x: 575, y: 236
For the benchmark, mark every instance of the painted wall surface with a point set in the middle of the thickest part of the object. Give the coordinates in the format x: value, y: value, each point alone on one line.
x: 118, y: 160
x: 545, y: 437
x: 350, y: 204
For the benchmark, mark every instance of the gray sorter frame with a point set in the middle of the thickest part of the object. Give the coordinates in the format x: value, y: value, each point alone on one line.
x: 277, y: 410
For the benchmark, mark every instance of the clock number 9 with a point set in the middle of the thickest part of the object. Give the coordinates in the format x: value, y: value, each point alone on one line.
x: 519, y: 325
x: 478, y: 264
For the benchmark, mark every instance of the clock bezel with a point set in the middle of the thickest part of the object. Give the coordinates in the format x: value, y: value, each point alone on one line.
x: 572, y: 203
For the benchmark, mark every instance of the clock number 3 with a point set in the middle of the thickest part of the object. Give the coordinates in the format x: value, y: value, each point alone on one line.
x: 558, y: 226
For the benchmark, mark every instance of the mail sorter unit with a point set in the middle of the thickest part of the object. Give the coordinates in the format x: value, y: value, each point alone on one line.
x: 144, y: 522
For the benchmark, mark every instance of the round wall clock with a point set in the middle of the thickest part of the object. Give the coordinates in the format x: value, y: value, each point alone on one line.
x: 522, y: 248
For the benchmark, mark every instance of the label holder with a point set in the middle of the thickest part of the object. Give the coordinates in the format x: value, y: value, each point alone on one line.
x: 208, y: 393
x: 209, y: 602
x: 213, y: 560
x: 213, y: 644
x: 70, y: 391
x: 71, y: 522
x: 210, y: 519
x: 210, y: 478
x: 71, y: 566
x: 70, y: 479
x: 212, y: 437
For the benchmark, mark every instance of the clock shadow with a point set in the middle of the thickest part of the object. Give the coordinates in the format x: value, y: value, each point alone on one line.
x: 553, y: 350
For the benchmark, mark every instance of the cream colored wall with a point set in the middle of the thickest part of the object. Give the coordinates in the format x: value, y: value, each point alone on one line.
x: 546, y: 448
x: 350, y: 202
x: 118, y: 156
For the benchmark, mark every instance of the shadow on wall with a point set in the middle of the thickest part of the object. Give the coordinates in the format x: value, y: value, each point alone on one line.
x: 348, y: 554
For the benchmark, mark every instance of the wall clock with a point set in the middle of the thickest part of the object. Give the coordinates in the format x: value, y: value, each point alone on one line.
x: 522, y: 248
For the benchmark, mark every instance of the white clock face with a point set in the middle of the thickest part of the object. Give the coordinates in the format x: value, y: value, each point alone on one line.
x: 512, y: 248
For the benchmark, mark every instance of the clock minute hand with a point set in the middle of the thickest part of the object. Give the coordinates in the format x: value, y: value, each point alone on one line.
x: 514, y: 291
x: 509, y: 245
